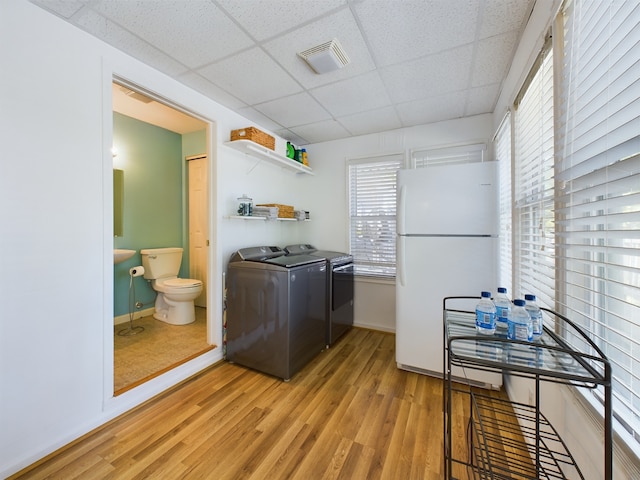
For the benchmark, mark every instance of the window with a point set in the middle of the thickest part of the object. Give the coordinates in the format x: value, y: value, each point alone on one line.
x: 372, y: 214
x: 503, y: 156
x: 533, y: 185
x: 577, y: 219
x: 599, y: 190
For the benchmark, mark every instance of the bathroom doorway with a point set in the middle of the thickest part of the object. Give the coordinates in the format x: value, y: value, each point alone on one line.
x: 152, y: 141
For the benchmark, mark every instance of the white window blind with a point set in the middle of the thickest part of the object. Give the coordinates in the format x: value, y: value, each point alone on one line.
x: 503, y: 156
x: 372, y: 214
x: 599, y: 183
x: 449, y: 155
x: 533, y: 183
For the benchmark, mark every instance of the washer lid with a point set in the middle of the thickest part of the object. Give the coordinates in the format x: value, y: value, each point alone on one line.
x: 291, y: 261
x: 334, y: 257
x: 182, y: 282
x: 300, y: 248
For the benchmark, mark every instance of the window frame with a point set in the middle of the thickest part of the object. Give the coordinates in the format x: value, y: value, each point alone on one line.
x: 367, y: 267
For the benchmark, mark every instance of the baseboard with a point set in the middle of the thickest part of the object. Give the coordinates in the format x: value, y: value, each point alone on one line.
x: 379, y: 328
x: 137, y: 314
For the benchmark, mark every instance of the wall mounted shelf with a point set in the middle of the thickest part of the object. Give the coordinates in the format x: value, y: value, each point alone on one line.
x: 244, y: 217
x: 259, y: 152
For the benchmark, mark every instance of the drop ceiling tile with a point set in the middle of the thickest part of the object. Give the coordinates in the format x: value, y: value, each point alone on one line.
x: 340, y: 25
x: 267, y: 18
x: 418, y: 28
x: 118, y: 37
x: 482, y: 99
x: 379, y: 120
x: 444, y: 107
x: 292, y: 137
x: 197, y: 32
x: 299, y: 109
x: 259, y: 119
x: 501, y: 16
x: 252, y: 75
x: 64, y: 8
x: 321, y: 132
x: 492, y: 59
x: 419, y: 78
x: 204, y: 86
x: 353, y: 95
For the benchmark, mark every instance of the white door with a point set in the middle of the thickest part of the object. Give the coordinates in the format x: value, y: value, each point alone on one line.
x: 198, y: 226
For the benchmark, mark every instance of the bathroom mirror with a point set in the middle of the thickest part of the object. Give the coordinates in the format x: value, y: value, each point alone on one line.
x: 118, y: 202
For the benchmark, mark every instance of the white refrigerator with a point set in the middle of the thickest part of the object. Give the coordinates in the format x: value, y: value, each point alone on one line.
x: 447, y: 245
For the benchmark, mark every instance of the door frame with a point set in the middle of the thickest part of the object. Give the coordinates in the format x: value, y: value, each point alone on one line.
x: 141, y: 78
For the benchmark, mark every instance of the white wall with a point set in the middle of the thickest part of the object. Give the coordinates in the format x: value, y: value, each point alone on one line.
x: 56, y: 271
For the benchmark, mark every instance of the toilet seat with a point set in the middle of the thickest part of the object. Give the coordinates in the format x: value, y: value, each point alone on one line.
x: 182, y: 283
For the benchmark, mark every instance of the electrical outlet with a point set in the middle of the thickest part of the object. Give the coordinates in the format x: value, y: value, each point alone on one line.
x: 138, y: 305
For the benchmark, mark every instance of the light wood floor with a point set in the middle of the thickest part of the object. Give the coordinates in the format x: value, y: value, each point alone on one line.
x: 349, y: 414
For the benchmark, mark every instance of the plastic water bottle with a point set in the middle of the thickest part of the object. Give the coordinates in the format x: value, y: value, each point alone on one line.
x: 503, y: 307
x: 535, y: 313
x: 486, y: 315
x: 520, y: 325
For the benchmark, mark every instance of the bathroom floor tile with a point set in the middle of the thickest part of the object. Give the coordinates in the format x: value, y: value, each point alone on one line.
x: 157, y: 349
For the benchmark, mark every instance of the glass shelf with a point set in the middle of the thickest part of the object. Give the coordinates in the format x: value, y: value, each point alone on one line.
x: 263, y: 153
x: 547, y: 356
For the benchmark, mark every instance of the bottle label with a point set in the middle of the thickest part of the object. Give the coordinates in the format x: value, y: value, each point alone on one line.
x: 536, y: 320
x: 485, y: 320
x: 520, y: 331
x: 502, y: 314
x: 537, y: 323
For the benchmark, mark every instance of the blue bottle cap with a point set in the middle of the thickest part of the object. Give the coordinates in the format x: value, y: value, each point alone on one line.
x: 486, y: 294
x: 531, y: 298
x: 519, y: 302
x: 502, y: 290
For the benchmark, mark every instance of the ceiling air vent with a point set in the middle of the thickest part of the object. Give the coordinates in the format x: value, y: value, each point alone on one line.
x: 326, y: 57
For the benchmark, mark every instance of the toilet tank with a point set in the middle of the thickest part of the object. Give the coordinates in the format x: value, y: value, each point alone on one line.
x: 161, y: 262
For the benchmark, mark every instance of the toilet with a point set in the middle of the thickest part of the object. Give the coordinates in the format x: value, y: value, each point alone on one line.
x: 174, y: 303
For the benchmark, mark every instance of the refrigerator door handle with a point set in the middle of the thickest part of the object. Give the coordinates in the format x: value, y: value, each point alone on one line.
x: 400, y: 209
x: 400, y: 249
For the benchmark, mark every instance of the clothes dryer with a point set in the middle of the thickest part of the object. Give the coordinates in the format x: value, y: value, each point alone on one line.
x: 340, y: 288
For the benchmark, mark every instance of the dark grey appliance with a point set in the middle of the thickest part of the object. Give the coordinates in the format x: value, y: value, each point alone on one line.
x: 275, y: 310
x: 339, y: 301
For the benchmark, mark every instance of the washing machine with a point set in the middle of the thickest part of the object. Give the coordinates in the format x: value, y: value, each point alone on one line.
x: 276, y: 317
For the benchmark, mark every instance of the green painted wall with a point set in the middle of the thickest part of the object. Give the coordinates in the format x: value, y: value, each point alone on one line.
x: 194, y: 143
x: 151, y: 158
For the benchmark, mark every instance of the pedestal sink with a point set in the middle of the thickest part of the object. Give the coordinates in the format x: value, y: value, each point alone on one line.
x: 122, y: 254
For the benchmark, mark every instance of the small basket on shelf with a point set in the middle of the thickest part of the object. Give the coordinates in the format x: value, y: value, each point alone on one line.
x: 255, y: 135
